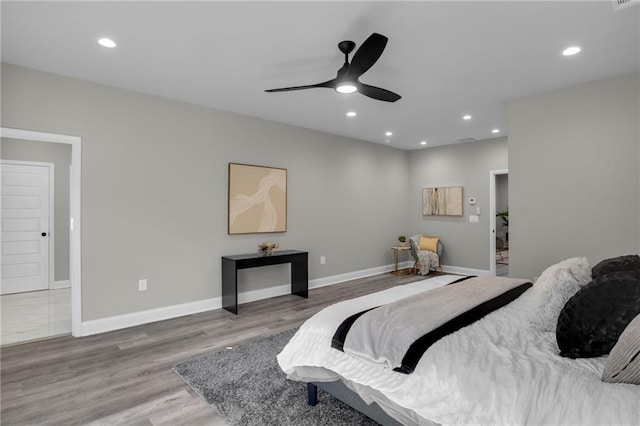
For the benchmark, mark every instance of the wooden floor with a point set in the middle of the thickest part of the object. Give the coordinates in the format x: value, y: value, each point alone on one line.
x: 125, y: 376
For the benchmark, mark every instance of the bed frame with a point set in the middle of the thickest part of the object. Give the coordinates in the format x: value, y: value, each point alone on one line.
x: 338, y: 390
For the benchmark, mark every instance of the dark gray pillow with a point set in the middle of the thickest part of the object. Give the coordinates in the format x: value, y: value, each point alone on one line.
x: 629, y: 262
x: 591, y: 321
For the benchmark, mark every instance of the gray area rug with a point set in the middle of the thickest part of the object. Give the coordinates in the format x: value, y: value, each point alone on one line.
x: 247, y: 387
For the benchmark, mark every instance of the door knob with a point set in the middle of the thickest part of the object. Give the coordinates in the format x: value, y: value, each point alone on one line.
x: 44, y: 234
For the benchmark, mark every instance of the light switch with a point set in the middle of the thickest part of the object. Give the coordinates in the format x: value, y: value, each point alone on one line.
x: 473, y: 218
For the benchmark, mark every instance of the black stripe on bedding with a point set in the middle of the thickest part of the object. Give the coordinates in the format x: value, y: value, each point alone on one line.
x: 420, y: 346
x: 341, y: 333
x: 337, y: 342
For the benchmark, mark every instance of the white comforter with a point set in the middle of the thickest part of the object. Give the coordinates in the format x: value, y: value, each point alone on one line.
x: 496, y: 371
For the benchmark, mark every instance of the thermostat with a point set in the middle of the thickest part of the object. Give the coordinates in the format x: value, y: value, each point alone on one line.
x: 472, y: 200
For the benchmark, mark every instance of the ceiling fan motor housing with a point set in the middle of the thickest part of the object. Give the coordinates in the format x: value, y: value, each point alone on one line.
x: 346, y: 46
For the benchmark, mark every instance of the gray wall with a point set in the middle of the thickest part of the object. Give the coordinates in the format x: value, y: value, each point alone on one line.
x: 468, y: 165
x: 60, y: 155
x: 154, y: 191
x: 154, y: 187
x: 573, y: 174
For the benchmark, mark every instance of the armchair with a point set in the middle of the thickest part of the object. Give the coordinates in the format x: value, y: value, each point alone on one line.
x: 425, y: 260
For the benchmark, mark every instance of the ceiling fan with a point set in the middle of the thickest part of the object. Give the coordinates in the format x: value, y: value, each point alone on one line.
x: 346, y: 80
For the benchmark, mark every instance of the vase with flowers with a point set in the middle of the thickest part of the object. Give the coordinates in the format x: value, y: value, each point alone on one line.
x: 266, y: 249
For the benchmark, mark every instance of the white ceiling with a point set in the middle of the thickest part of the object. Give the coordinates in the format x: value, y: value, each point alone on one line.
x: 446, y: 59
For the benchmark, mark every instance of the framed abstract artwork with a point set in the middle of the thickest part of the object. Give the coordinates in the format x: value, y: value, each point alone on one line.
x: 442, y: 201
x: 257, y: 199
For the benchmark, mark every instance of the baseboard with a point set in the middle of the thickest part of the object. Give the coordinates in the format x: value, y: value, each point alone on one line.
x: 118, y: 322
x: 252, y: 296
x: 56, y: 285
x: 335, y: 279
x: 266, y: 293
x: 464, y: 271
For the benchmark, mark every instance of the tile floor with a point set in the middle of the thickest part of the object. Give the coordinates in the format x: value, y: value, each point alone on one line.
x: 35, y: 315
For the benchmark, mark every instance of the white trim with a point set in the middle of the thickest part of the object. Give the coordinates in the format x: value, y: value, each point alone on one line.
x: 57, y: 285
x: 75, y: 231
x: 465, y: 271
x: 52, y: 225
x: 30, y: 135
x: 335, y: 279
x: 26, y: 163
x: 492, y: 215
x: 118, y: 322
x: 265, y: 293
x: 75, y: 248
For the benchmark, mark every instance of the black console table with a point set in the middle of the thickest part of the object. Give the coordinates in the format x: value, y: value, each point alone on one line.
x: 230, y: 264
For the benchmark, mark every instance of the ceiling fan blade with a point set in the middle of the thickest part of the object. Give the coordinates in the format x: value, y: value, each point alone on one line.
x: 367, y: 54
x: 329, y: 83
x: 378, y: 93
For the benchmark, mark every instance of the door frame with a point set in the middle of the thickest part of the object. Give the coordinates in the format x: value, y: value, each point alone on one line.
x: 492, y: 217
x: 52, y: 246
x: 75, y: 173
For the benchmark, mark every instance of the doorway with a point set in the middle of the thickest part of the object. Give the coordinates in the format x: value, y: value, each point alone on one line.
x: 499, y: 222
x: 61, y: 300
x: 34, y: 291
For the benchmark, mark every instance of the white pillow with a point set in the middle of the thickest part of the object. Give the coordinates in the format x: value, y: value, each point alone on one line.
x: 578, y: 267
x: 554, y: 288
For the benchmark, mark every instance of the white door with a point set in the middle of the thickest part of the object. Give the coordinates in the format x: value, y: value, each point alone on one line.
x: 25, y: 227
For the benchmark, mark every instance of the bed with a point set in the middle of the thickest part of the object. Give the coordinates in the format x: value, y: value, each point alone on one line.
x: 501, y: 369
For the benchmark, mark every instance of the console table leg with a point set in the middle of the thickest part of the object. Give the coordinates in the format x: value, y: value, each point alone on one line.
x: 229, y: 286
x: 300, y: 278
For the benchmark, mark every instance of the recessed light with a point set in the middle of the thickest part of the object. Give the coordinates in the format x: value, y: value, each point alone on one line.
x: 388, y: 134
x: 571, y: 50
x: 107, y: 42
x: 466, y: 117
x: 423, y: 143
x: 351, y: 114
x: 495, y: 131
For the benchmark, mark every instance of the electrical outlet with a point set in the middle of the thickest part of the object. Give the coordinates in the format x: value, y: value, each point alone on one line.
x: 142, y: 285
x: 323, y: 260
